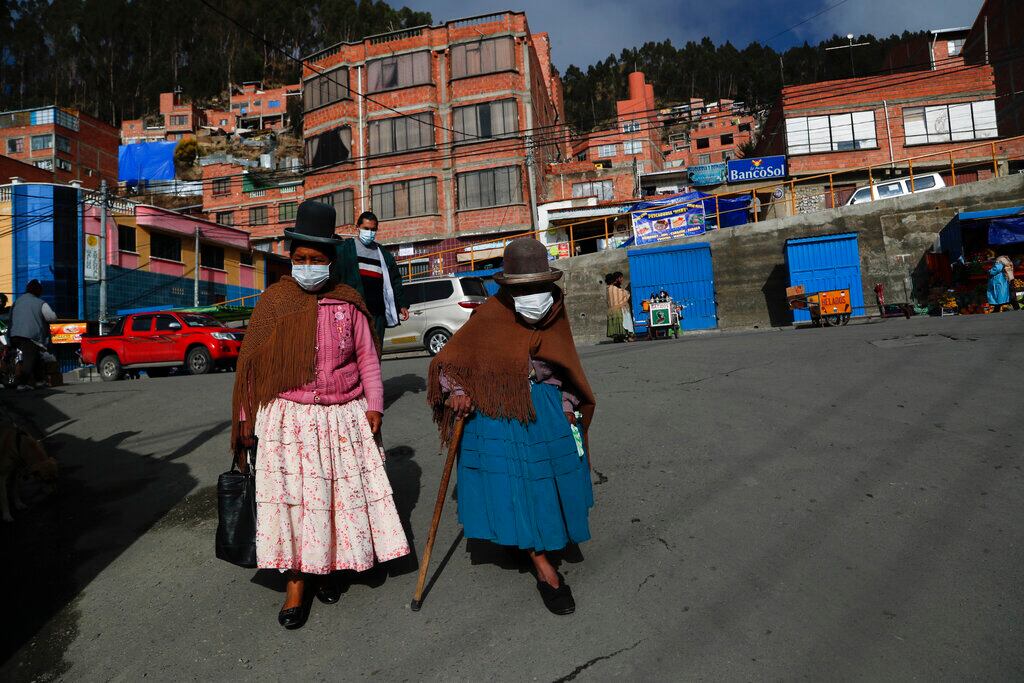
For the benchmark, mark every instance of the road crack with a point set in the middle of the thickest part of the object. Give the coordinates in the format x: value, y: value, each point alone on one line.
x: 586, y: 665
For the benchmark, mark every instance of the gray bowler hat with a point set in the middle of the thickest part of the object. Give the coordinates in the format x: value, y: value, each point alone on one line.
x: 526, y: 262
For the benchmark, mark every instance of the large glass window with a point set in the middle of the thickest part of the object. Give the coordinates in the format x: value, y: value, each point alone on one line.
x: 487, y: 120
x: 831, y: 133
x: 258, y: 215
x: 221, y: 186
x: 493, y: 187
x: 405, y: 198
x: 166, y: 247
x: 602, y: 189
x: 402, y: 133
x: 482, y: 56
x: 323, y: 89
x: 950, y: 122
x: 343, y: 202
x: 226, y: 217
x: 15, y: 145
x: 40, y: 142
x: 332, y: 147
x: 400, y: 71
x: 286, y: 211
x: 604, y: 151
x: 632, y: 147
x: 631, y: 127
x: 703, y: 143
x: 63, y: 144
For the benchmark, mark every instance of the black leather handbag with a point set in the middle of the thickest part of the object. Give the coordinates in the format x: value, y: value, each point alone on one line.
x: 236, y: 514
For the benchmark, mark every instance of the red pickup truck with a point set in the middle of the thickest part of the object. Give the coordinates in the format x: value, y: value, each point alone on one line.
x: 160, y: 341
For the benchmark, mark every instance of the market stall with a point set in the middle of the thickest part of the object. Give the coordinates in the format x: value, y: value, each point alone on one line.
x: 959, y: 277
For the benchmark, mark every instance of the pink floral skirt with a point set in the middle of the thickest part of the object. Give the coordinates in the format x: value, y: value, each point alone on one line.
x: 323, y: 499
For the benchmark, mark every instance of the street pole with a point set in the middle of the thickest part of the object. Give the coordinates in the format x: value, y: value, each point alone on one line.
x: 531, y: 180
x: 195, y: 283
x: 103, y: 256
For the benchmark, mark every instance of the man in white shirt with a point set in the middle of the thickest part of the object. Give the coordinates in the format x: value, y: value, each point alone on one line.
x: 30, y: 333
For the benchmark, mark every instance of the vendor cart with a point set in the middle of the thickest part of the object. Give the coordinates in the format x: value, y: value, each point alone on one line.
x: 830, y: 308
x: 664, y: 315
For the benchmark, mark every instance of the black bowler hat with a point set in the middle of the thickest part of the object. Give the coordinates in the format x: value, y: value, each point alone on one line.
x: 314, y: 222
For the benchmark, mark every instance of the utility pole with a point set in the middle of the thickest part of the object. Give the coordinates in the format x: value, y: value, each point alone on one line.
x: 530, y: 179
x: 849, y: 38
x: 195, y: 282
x: 782, y: 71
x: 103, y: 256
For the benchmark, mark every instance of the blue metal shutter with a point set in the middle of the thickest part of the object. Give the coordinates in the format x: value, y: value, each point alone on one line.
x: 824, y: 263
x: 685, y: 272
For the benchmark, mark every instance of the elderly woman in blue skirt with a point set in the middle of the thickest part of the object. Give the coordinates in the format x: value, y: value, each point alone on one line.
x: 512, y: 372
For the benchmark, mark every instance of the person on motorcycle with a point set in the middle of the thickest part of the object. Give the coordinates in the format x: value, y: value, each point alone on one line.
x: 30, y: 332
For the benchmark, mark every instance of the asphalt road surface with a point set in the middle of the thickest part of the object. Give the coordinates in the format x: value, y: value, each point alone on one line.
x: 841, y: 504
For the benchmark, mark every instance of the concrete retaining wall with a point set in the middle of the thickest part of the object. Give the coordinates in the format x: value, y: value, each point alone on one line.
x: 749, y: 261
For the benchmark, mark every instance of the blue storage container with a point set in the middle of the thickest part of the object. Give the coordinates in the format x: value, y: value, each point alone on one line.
x: 824, y: 263
x: 685, y: 272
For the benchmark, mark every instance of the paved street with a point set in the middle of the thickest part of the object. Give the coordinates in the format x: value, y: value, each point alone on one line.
x: 822, y: 504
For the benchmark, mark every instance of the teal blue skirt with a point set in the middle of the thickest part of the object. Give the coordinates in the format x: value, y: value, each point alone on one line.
x: 524, y: 485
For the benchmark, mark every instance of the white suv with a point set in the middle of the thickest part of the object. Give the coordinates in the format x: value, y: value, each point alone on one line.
x: 438, y: 307
x: 897, y: 188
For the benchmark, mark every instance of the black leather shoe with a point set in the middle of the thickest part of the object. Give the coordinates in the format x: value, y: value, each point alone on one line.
x: 557, y: 600
x: 329, y: 592
x: 292, y: 618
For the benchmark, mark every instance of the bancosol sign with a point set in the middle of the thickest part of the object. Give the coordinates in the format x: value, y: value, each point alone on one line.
x: 761, y: 168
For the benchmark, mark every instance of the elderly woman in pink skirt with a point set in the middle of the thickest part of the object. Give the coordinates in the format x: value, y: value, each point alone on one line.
x: 308, y: 391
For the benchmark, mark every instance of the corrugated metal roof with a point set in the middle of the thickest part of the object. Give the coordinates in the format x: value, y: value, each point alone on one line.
x: 991, y: 213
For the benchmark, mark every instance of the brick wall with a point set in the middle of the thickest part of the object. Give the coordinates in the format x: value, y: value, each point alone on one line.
x: 995, y: 38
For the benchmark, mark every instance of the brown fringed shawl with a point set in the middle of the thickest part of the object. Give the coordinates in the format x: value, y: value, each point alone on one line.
x: 490, y: 358
x: 279, y: 350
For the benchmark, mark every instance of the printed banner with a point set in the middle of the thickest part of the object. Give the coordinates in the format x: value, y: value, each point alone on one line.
x: 761, y: 168
x: 92, y: 257
x: 67, y: 333
x: 659, y: 223
x: 707, y: 174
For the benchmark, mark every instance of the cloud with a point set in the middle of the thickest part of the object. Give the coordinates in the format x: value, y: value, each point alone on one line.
x: 587, y: 31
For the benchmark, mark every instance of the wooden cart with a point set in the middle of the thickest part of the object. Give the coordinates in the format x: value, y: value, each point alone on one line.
x: 830, y: 308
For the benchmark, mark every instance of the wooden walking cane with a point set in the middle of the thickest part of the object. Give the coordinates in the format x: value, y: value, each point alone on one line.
x: 442, y: 493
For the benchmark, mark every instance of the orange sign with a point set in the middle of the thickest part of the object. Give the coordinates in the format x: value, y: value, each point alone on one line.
x: 67, y: 333
x: 835, y: 301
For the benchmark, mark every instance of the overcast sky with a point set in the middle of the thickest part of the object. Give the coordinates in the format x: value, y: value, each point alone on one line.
x: 586, y: 31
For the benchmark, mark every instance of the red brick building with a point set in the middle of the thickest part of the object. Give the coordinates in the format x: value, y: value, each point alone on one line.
x: 995, y: 39
x: 937, y: 50
x: 12, y: 168
x: 261, y: 108
x: 240, y: 194
x: 836, y: 127
x: 73, y: 145
x: 436, y: 147
x: 716, y: 132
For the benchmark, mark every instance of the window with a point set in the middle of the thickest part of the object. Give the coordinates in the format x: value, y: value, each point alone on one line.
x: 744, y: 127
x: 400, y: 71
x: 165, y: 323
x: 142, y: 323
x: 258, y: 215
x: 488, y: 120
x: 325, y: 88
x: 221, y: 186
x: 245, y: 258
x: 45, y: 164
x: 343, y: 202
x: 493, y: 187
x: 63, y: 144
x: 631, y: 127
x: 257, y: 103
x: 223, y: 122
x: 165, y: 247
x: 125, y: 238
x: 482, y: 57
x: 211, y: 256
x: 727, y: 154
x: 604, y: 151
x: 632, y: 147
x: 473, y: 286
x: 703, y: 143
x: 703, y: 159
x: 401, y: 133
x: 862, y: 195
x: 602, y: 189
x: 89, y: 173
x: 64, y: 165
x: 726, y: 139
x: 15, y: 145
x: 889, y: 190
x: 406, y: 198
x: 438, y: 290
x: 286, y: 211
x: 831, y: 133
x: 332, y: 147
x: 273, y: 104
x: 226, y: 217
x: 40, y: 142
x: 946, y: 122
x: 179, y: 120
x: 924, y: 182
x: 955, y: 47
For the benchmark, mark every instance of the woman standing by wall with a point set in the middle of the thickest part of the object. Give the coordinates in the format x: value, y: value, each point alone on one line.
x: 308, y: 393
x: 999, y: 278
x: 620, y: 318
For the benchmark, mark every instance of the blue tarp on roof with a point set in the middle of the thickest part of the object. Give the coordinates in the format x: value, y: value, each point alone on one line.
x: 991, y: 213
x: 145, y: 161
x: 1006, y: 231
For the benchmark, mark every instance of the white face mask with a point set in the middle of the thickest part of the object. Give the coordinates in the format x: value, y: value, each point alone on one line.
x: 534, y: 307
x: 367, y: 237
x: 311, y: 278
